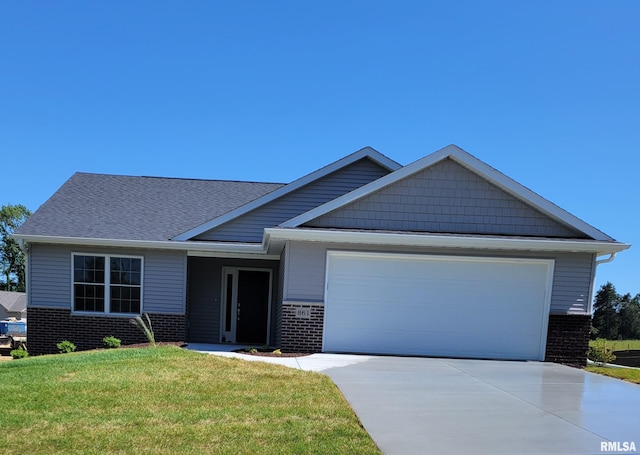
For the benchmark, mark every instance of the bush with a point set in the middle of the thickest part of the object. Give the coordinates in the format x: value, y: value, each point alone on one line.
x: 66, y: 347
x: 277, y: 352
x: 19, y: 353
x: 600, y: 353
x: 111, y: 342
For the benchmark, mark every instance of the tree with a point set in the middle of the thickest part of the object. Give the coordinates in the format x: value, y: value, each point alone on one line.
x: 629, y: 317
x: 615, y: 316
x: 606, y: 319
x: 12, y: 262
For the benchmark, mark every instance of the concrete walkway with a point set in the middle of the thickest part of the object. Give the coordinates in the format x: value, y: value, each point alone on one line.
x: 453, y: 406
x: 313, y: 362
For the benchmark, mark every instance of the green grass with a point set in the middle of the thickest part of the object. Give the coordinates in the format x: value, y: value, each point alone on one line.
x: 626, y: 374
x: 621, y: 345
x: 167, y: 401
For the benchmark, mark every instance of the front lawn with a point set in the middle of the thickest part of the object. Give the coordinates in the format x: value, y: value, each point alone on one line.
x: 620, y: 345
x: 166, y: 401
x: 626, y: 374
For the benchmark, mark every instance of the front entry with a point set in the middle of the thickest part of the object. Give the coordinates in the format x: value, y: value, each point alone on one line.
x: 246, y: 298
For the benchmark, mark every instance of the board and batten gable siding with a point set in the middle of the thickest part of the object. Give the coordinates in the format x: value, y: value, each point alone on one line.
x: 164, y: 284
x: 446, y: 197
x: 250, y: 226
x: 570, y: 294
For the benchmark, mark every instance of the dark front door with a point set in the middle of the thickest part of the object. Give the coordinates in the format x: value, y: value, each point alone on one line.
x: 246, y: 306
x: 253, y: 306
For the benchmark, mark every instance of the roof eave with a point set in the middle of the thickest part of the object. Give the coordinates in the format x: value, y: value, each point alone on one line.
x: 443, y: 241
x: 192, y: 248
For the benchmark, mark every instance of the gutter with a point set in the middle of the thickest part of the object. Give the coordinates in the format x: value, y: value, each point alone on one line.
x: 273, y: 236
x: 245, y: 248
x: 443, y: 241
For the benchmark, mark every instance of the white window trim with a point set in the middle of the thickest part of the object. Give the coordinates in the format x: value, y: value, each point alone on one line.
x: 107, y: 285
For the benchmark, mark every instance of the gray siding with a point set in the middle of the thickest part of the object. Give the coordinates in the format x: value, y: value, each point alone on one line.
x: 205, y: 293
x: 446, y: 197
x: 572, y: 280
x: 572, y: 283
x: 50, y: 277
x: 165, y: 281
x: 277, y: 308
x: 249, y: 227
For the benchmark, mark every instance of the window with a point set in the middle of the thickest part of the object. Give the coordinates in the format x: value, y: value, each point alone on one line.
x: 107, y: 284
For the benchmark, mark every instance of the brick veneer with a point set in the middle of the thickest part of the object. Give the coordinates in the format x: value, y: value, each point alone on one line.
x: 568, y: 339
x: 299, y: 334
x: 47, y: 326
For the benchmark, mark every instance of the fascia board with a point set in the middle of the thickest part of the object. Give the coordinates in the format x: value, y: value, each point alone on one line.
x: 521, y: 192
x: 366, y: 152
x: 444, y: 241
x: 470, y: 162
x: 243, y: 248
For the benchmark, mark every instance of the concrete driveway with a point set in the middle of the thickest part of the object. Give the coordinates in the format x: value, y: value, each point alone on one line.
x: 413, y: 405
x: 451, y: 406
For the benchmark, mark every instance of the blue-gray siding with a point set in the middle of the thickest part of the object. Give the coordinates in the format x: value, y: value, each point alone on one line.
x: 50, y: 277
x: 572, y: 280
x: 277, y: 307
x: 446, y: 197
x: 250, y: 227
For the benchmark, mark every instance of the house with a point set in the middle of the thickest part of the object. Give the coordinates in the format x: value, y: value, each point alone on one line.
x: 443, y: 257
x: 13, y: 305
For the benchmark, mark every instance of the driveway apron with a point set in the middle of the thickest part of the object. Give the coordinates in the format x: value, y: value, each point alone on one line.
x: 454, y: 406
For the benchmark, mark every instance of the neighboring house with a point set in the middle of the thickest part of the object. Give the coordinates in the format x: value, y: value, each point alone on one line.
x: 443, y: 257
x: 13, y: 305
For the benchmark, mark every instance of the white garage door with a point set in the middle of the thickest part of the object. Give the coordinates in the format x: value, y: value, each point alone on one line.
x: 437, y: 305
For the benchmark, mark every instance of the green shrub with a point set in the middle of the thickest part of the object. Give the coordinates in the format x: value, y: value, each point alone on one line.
x: 600, y: 353
x: 277, y: 352
x: 66, y: 347
x: 19, y: 353
x: 253, y: 351
x: 111, y: 342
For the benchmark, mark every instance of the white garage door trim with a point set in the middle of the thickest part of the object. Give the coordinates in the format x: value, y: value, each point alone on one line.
x: 490, y: 273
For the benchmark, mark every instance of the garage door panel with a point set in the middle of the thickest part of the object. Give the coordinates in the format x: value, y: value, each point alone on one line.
x: 443, y: 306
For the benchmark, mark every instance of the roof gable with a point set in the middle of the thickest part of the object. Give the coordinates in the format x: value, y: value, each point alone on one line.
x: 13, y: 302
x: 445, y: 197
x: 249, y: 227
x: 565, y: 223
x: 364, y: 153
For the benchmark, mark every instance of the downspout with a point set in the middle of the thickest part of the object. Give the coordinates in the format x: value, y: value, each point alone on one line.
x: 593, y: 278
x: 604, y: 261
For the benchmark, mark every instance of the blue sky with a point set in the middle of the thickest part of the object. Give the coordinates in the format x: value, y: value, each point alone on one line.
x: 546, y: 92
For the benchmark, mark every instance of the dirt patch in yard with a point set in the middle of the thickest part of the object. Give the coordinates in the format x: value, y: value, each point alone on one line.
x: 180, y: 344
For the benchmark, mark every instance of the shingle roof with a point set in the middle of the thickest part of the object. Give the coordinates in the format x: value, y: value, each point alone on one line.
x: 137, y: 208
x: 13, y: 302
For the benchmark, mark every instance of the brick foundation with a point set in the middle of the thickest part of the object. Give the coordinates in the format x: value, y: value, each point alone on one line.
x: 301, y: 334
x: 47, y: 327
x: 568, y: 339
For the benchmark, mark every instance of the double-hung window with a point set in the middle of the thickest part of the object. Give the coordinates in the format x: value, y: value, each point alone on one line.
x: 107, y: 284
